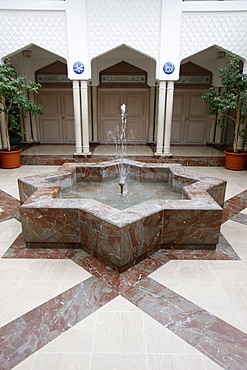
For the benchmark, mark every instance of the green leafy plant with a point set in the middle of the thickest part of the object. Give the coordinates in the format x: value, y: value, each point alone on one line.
x: 14, y: 97
x: 229, y: 105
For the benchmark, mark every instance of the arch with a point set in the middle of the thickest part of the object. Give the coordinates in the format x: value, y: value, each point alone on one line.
x: 128, y: 55
x: 209, y: 58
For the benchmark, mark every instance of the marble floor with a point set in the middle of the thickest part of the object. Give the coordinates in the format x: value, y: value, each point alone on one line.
x: 179, y: 310
x: 140, y: 150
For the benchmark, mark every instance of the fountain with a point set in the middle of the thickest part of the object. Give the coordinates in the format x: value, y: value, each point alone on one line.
x: 121, y: 237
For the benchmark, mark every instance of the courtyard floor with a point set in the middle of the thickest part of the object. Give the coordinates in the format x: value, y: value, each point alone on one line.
x: 177, y: 310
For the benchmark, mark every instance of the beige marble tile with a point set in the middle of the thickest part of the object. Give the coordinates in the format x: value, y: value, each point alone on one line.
x: 118, y: 361
x: 62, y: 361
x: 161, y: 340
x: 49, y: 149
x: 14, y: 269
x: 7, y: 289
x: 31, y: 294
x: 176, y: 362
x: 229, y: 271
x: 50, y: 270
x: 187, y: 270
x: 210, y: 296
x: 8, y: 316
x: 234, y: 232
x: 78, y: 339
x: 119, y: 332
x: 9, y: 230
x: 237, y: 294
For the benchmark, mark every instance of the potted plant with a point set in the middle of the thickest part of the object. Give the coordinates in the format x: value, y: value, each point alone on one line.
x: 14, y: 99
x: 229, y: 107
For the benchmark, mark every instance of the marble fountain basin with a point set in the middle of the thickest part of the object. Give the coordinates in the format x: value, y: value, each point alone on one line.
x: 121, y: 238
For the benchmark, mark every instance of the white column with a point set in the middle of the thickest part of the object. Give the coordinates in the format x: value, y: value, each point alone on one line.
x: 90, y: 120
x: 77, y: 117
x: 151, y: 114
x: 95, y: 113
x: 161, y: 118
x: 84, y: 114
x: 168, y: 125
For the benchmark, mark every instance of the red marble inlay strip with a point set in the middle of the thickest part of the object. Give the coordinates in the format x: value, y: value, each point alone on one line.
x: 241, y: 218
x: 214, y: 338
x: 24, y: 336
x: 234, y: 205
x: 10, y: 206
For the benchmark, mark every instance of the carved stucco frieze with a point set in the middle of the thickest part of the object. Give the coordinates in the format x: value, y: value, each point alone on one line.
x: 46, y: 29
x: 202, y: 30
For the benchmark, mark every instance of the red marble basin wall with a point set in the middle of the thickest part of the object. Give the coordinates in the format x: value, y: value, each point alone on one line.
x: 121, y: 238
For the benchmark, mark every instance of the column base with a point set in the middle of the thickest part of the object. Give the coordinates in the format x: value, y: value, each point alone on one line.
x: 82, y: 155
x: 164, y: 155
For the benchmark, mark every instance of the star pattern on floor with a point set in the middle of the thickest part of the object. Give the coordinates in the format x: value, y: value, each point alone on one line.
x: 221, y: 342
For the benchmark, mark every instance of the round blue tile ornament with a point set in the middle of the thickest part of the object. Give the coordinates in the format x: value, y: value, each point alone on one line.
x: 168, y: 68
x: 78, y: 67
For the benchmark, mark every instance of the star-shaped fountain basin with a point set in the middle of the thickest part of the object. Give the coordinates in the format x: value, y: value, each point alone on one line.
x: 121, y: 237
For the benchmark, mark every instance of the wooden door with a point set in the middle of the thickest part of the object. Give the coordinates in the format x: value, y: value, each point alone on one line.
x: 56, y: 125
x: 195, y: 120
x: 68, y: 117
x: 51, y: 120
x: 109, y: 119
x: 178, y: 119
x: 189, y: 122
x: 136, y: 114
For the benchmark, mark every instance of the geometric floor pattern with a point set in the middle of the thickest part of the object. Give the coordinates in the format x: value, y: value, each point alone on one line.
x: 63, y: 309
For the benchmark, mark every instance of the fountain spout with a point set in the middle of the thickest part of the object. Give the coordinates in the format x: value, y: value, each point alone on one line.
x: 121, y: 187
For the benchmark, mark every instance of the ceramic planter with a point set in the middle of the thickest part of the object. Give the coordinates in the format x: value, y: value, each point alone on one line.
x: 235, y: 161
x: 10, y: 159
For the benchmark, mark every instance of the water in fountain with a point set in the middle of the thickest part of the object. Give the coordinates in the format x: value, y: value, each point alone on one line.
x: 135, y: 192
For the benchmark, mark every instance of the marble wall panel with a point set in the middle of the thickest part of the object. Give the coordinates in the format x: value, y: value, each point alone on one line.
x: 50, y: 225
x: 191, y: 227
x: 25, y: 190
x: 100, y: 237
x: 218, y: 193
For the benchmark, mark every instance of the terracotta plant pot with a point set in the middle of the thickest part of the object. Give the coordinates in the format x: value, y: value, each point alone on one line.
x: 235, y: 161
x: 10, y: 159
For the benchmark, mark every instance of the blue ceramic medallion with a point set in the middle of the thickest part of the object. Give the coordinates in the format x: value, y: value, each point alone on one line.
x: 78, y: 67
x: 168, y: 68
